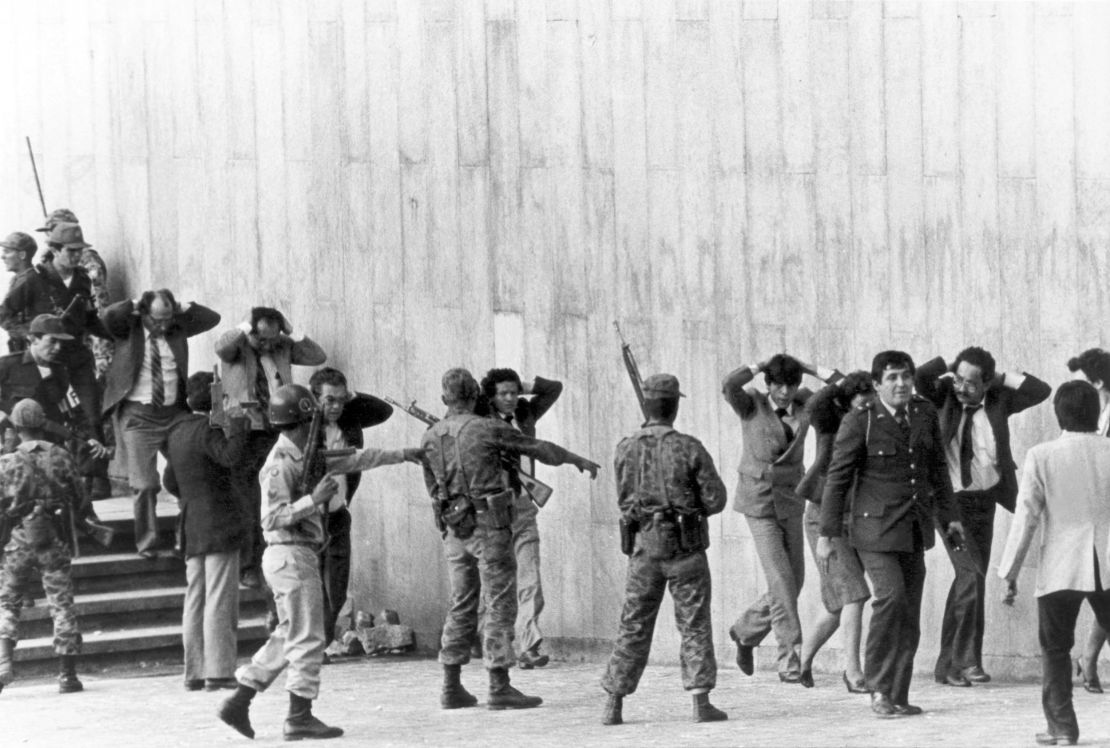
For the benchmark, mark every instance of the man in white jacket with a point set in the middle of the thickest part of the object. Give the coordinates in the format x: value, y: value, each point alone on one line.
x: 1065, y: 483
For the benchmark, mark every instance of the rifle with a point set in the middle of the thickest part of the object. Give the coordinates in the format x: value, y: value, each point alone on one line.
x: 631, y: 367
x: 35, y: 169
x: 538, y: 491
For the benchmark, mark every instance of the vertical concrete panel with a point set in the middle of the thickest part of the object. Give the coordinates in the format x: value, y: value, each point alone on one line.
x: 427, y: 184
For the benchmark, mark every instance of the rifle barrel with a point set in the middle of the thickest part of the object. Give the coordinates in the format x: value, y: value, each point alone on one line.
x: 35, y: 169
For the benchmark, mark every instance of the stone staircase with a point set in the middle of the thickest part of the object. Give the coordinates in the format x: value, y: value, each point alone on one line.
x: 129, y: 607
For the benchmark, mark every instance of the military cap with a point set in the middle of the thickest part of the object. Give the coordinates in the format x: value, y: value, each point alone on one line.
x: 661, y: 387
x: 20, y: 242
x: 59, y: 215
x: 28, y: 414
x: 68, y: 235
x: 49, y: 324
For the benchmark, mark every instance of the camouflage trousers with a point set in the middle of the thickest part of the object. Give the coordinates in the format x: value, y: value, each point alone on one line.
x: 529, y: 586
x: 484, y: 565
x: 53, y: 563
x: 687, y: 576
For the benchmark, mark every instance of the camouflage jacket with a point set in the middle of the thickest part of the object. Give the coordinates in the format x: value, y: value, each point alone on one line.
x: 37, y: 473
x: 464, y: 454
x: 658, y: 468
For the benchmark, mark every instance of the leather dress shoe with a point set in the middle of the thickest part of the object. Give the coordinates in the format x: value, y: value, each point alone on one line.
x: 1047, y: 738
x: 806, y: 678
x: 954, y: 678
x: 745, y: 659
x: 976, y: 674
x: 881, y: 706
x: 907, y: 710
x: 859, y: 686
x: 196, y: 684
x: 790, y: 676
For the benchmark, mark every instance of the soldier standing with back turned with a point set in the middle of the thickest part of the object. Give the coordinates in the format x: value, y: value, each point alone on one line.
x: 667, y: 486
x: 38, y: 486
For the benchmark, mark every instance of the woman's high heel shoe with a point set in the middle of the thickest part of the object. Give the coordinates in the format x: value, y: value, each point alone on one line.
x: 860, y: 687
x: 1090, y: 685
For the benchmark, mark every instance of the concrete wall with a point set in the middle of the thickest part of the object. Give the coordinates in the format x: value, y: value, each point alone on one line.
x: 428, y: 184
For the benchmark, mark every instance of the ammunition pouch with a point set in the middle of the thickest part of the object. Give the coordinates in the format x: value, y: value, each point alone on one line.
x: 457, y: 515
x: 629, y: 526
x: 672, y: 533
x: 499, y: 509
x: 39, y: 528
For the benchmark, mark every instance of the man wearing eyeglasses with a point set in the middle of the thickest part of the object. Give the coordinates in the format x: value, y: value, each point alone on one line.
x: 975, y: 402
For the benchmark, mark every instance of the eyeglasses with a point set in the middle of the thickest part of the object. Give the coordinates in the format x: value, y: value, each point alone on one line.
x: 966, y: 384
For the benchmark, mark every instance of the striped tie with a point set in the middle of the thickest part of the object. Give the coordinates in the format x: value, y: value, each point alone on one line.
x: 157, y: 386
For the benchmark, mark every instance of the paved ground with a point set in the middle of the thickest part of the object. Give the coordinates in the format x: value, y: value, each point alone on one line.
x: 393, y: 701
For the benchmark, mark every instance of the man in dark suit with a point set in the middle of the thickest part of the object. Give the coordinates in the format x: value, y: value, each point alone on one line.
x: 503, y: 397
x: 211, y: 528
x: 346, y: 414
x: 891, y: 455
x: 774, y: 426
x: 974, y: 402
x: 145, y: 387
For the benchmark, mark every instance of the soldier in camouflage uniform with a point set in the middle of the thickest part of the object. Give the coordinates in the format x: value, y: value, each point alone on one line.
x: 38, y: 485
x: 665, y: 481
x: 464, y: 475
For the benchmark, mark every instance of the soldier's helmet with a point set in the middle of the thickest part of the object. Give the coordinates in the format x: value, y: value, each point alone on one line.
x: 290, y: 404
x: 28, y: 414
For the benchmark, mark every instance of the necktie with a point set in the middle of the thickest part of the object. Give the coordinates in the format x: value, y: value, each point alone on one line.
x: 781, y: 413
x: 902, y: 419
x: 966, y: 451
x: 157, y: 385
x: 261, y: 385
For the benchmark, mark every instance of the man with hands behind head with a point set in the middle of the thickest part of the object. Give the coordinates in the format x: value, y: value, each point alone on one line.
x: 257, y: 357
x: 974, y: 402
x: 774, y: 427
x: 145, y: 386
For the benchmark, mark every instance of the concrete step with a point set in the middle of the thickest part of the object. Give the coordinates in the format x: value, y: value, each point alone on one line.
x: 122, y: 609
x: 150, y: 642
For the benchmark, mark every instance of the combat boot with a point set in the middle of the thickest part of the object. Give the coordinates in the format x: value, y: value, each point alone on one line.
x: 67, y: 679
x: 706, y: 712
x: 7, y: 647
x: 612, y: 714
x: 454, y: 696
x: 503, y: 696
x: 236, y: 710
x: 301, y: 725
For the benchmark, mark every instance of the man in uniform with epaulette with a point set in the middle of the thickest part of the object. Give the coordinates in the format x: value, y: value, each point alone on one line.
x: 466, y: 480
x: 667, y: 486
x: 294, y: 534
x: 40, y: 496
x: 889, y: 455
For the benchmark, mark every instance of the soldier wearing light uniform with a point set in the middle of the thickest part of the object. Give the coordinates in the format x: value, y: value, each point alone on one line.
x: 294, y: 534
x: 665, y: 479
x: 38, y: 484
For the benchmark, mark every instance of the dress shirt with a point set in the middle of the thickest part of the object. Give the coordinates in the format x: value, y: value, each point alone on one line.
x: 141, y: 392
x: 984, y: 461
